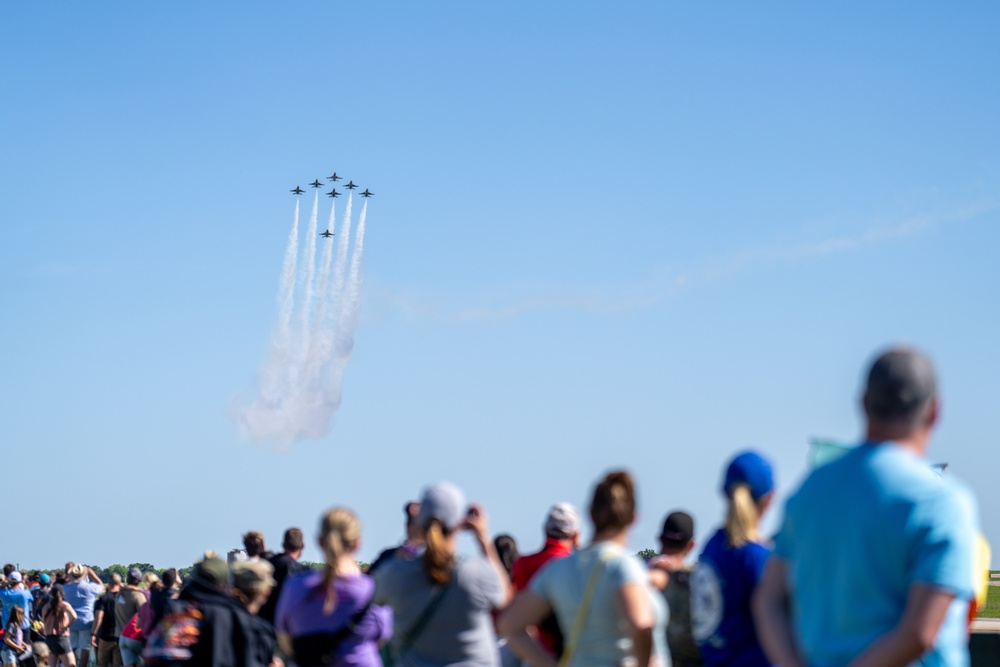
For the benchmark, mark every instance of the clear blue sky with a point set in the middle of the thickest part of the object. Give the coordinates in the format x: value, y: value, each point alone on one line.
x: 602, y: 236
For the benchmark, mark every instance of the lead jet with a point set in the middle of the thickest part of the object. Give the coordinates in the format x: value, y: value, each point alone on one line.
x: 297, y: 191
x: 327, y: 234
x: 333, y: 178
x: 367, y: 194
x: 350, y: 185
x: 316, y: 184
x: 333, y: 193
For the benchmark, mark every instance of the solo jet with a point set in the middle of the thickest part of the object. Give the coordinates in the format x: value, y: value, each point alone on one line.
x: 297, y: 190
x: 350, y: 185
x: 316, y: 184
x: 333, y: 178
x: 327, y: 234
x: 367, y: 194
x: 333, y: 193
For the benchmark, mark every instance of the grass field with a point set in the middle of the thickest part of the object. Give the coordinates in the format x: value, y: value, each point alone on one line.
x: 992, y: 608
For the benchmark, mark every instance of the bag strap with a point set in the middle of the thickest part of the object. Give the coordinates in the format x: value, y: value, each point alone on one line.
x: 584, y: 608
x: 425, y: 616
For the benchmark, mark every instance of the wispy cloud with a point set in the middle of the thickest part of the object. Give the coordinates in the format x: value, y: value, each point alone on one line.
x: 710, y: 270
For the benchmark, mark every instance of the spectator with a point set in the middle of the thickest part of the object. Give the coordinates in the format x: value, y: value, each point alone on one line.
x: 506, y: 548
x: 899, y: 537
x: 730, y: 566
x: 57, y: 618
x: 285, y: 564
x: 411, y: 547
x: 676, y: 542
x: 104, y: 634
x: 328, y: 618
x: 562, y: 537
x: 629, y: 624
x: 84, y: 588
x: 441, y: 605
x: 15, y: 594
x: 159, y: 598
x: 127, y: 604
x: 13, y: 638
x: 40, y: 595
x: 253, y: 584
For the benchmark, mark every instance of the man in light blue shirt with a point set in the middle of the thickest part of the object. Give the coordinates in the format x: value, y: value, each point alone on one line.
x: 874, y: 561
x: 16, y: 594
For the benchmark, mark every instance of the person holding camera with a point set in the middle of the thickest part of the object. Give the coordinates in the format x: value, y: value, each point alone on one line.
x: 442, y: 605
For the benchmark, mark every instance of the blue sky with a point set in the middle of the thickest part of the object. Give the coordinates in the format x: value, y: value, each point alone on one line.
x: 602, y: 236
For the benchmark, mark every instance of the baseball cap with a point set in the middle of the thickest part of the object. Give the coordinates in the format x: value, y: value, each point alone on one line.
x: 752, y: 469
x: 678, y: 529
x: 253, y: 576
x: 212, y: 570
x: 135, y: 575
x: 562, y: 522
x: 445, y: 502
x: 899, y: 382
x: 14, y: 577
x: 44, y: 578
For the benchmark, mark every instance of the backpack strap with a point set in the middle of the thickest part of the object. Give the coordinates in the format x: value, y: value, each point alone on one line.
x: 425, y: 616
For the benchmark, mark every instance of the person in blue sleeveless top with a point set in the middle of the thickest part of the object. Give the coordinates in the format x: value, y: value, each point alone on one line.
x: 723, y: 582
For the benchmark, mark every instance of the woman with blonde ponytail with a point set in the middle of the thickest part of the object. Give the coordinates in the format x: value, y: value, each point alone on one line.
x: 327, y: 618
x: 443, y: 603
x: 730, y: 566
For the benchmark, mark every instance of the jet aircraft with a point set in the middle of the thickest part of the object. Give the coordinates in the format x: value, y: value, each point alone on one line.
x: 333, y: 178
x: 297, y: 190
x: 350, y: 185
x: 367, y: 194
x: 327, y: 234
x: 316, y: 184
x: 333, y: 193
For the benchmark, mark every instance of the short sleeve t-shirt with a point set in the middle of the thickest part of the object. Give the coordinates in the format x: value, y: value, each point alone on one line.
x: 127, y: 603
x: 81, y: 596
x: 879, y: 520
x: 604, y: 639
x: 722, y: 587
x: 20, y: 597
x: 460, y: 631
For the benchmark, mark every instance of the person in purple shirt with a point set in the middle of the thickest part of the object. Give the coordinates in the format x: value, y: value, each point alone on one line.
x: 326, y: 618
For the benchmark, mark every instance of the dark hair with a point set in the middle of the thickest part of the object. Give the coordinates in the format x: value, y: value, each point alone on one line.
x: 506, y: 548
x: 613, y: 504
x: 56, y: 596
x: 7, y: 569
x: 253, y: 542
x: 293, y: 540
x: 412, y: 511
x: 169, y: 577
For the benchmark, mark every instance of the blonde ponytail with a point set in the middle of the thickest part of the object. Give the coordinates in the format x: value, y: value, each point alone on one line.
x: 742, y: 517
x: 338, y: 535
x: 438, y: 560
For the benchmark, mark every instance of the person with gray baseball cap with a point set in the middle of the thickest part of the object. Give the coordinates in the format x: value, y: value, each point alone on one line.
x: 873, y: 564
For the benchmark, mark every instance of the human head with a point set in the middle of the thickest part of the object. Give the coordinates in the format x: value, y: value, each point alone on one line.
x: 900, y: 396
x: 252, y: 582
x: 506, y: 548
x: 212, y: 571
x: 44, y: 579
x: 16, y: 615
x: 15, y: 578
x: 77, y: 572
x: 253, y: 542
x: 56, y: 595
x: 115, y: 581
x: 414, y: 531
x: 7, y: 569
x: 292, y: 541
x: 677, y: 534
x: 748, y: 484
x: 339, y: 536
x: 442, y: 512
x: 151, y: 581
x: 612, y: 507
x: 169, y: 578
x: 41, y: 651
x: 562, y: 522
x: 134, y: 577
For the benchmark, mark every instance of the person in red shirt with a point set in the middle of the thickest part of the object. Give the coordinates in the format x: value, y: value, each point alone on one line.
x: 562, y: 537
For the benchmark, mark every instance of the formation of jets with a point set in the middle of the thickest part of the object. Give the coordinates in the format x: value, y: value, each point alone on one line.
x: 350, y: 185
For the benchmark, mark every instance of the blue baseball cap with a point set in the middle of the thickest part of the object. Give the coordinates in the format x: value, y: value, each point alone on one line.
x: 752, y: 469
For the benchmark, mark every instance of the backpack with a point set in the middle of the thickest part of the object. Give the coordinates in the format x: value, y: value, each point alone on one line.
x: 173, y: 638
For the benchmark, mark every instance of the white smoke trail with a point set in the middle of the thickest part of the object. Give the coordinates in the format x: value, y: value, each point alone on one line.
x: 300, y: 385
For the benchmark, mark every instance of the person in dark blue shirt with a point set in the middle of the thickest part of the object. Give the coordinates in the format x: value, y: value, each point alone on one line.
x: 723, y: 583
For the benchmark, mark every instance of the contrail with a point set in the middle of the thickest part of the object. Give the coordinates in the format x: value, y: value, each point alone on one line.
x: 300, y: 385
